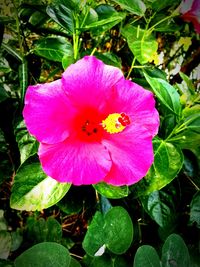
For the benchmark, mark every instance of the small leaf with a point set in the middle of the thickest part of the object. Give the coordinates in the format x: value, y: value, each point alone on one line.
x: 175, y: 252
x: 5, y: 244
x: 166, y: 93
x: 63, y: 15
x: 16, y: 240
x: 111, y: 191
x: 195, y: 209
x: 136, y: 7
x: 27, y: 144
x: 33, y: 190
x: 168, y: 161
x: 47, y: 252
x: 142, y: 44
x: 160, y: 206
x: 53, y: 48
x: 118, y: 230
x: 146, y: 256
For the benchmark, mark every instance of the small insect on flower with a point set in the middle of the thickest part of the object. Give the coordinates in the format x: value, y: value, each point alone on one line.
x: 93, y: 125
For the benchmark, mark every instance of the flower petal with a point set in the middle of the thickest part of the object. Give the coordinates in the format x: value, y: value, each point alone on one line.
x: 137, y: 103
x: 47, y: 112
x: 132, y: 155
x: 75, y: 162
x: 91, y: 80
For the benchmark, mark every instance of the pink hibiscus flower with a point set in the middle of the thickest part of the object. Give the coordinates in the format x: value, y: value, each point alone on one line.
x: 92, y: 125
x: 191, y: 12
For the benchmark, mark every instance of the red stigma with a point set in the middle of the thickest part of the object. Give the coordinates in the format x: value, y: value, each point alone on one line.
x: 124, y: 119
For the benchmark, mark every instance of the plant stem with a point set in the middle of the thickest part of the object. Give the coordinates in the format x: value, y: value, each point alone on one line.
x: 131, y: 68
x: 76, y: 38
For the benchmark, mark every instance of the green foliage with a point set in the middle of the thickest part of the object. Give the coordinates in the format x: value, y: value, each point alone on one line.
x: 101, y: 225
x: 106, y: 232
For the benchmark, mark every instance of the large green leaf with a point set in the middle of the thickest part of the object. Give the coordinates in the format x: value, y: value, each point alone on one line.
x: 136, y: 7
x: 160, y: 206
x: 195, y: 210
x: 44, y: 254
x: 142, y: 44
x: 27, y: 144
x: 146, y: 256
x: 111, y: 191
x: 53, y: 48
x: 106, y: 232
x: 33, y: 190
x: 175, y: 252
x: 159, y: 5
x: 166, y: 94
x: 106, y: 260
x: 168, y: 161
x: 63, y: 15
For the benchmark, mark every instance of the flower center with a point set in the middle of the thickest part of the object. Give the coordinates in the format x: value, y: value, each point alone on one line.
x: 116, y: 122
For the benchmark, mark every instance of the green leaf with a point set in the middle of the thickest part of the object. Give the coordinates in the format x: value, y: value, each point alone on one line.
x: 146, y: 256
x: 106, y: 260
x: 5, y: 244
x: 63, y: 15
x: 53, y: 48
x: 53, y: 254
x: 168, y: 161
x: 106, y: 232
x: 17, y: 239
x: 187, y: 135
x: 3, y: 94
x: 195, y: 209
x: 111, y: 191
x: 136, y: 7
x: 3, y: 223
x: 74, y: 263
x: 6, y: 263
x: 103, y: 25
x: 142, y: 44
x: 109, y: 59
x: 68, y: 58
x: 118, y: 235
x: 42, y: 230
x: 159, y: 5
x: 33, y: 190
x: 94, y: 238
x: 160, y: 206
x: 175, y: 252
x: 166, y: 93
x: 27, y: 144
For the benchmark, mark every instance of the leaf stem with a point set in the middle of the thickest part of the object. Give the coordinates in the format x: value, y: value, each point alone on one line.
x: 131, y: 68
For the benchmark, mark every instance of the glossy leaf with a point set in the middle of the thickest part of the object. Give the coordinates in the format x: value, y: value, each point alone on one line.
x: 159, y: 5
x: 63, y: 15
x: 33, y: 190
x: 5, y: 244
x: 47, y: 252
x: 135, y: 7
x: 106, y: 232
x: 53, y: 48
x: 146, y: 256
x: 160, y: 206
x: 106, y: 260
x: 195, y: 210
x: 175, y: 252
x: 142, y: 44
x: 111, y: 191
x: 168, y: 161
x: 166, y: 94
x: 27, y: 144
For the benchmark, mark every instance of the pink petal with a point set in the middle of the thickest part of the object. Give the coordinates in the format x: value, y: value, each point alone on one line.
x: 47, y: 112
x: 137, y: 103
x: 75, y: 162
x: 89, y: 82
x: 132, y: 155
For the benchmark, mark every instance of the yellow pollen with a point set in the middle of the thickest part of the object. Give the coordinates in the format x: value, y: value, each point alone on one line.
x: 112, y: 125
